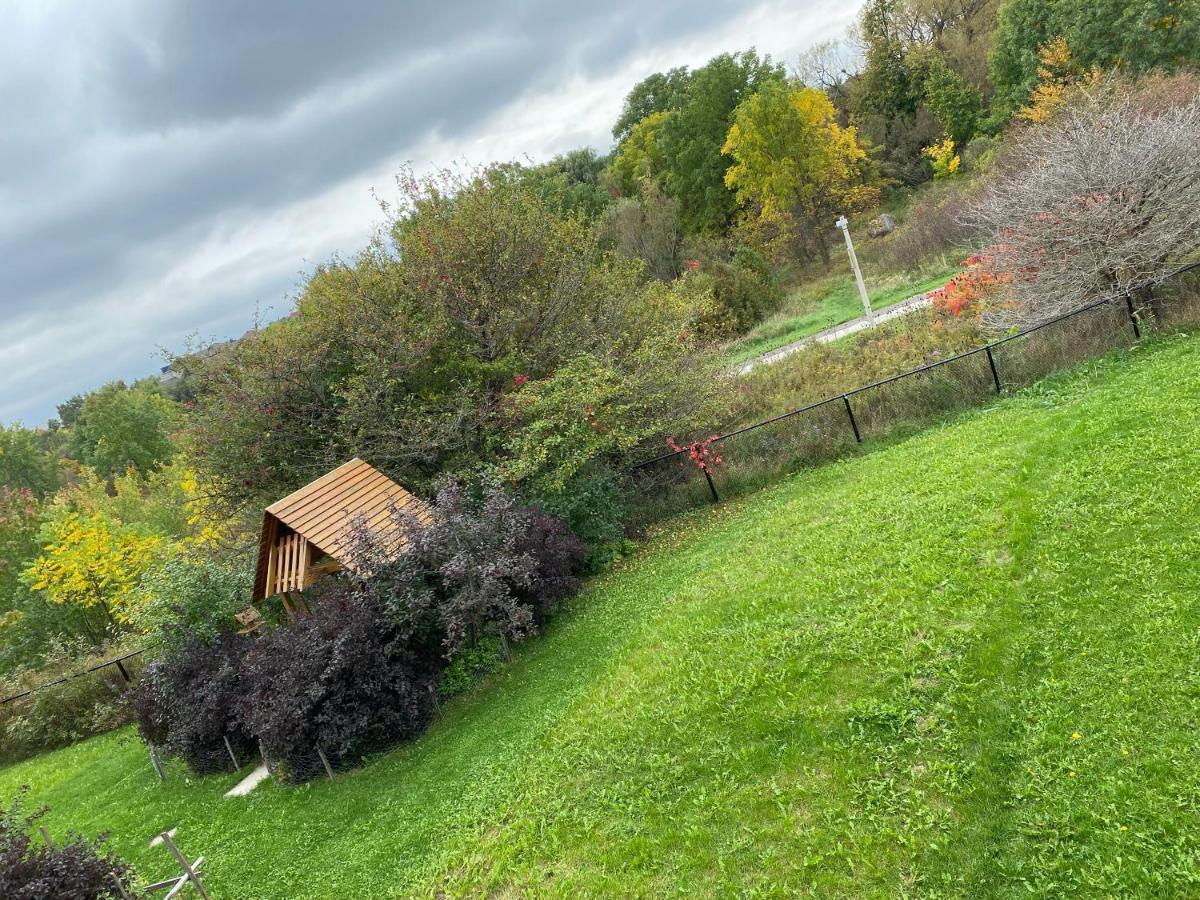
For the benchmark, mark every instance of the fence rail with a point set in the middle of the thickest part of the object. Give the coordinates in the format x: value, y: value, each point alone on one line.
x: 118, y: 661
x: 1098, y: 322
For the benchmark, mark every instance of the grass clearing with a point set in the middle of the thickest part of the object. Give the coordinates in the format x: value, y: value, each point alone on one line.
x: 826, y: 302
x: 962, y: 665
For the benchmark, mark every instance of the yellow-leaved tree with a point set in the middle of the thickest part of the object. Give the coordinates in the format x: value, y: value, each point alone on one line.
x: 94, y: 565
x: 795, y: 169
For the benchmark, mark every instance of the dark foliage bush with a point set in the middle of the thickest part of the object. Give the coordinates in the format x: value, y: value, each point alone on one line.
x: 558, y: 555
x: 344, y: 679
x: 75, y: 868
x: 483, y: 566
x: 189, y: 703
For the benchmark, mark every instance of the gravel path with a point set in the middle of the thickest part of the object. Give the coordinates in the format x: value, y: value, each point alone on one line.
x: 904, y: 307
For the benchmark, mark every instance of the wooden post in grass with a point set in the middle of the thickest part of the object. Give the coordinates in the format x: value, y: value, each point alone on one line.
x: 325, y: 762
x: 157, y: 763
x: 191, y: 872
x: 232, y: 755
x: 46, y: 837
x: 120, y: 887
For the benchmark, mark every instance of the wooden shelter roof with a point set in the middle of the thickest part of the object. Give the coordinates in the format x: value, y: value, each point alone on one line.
x: 324, y: 512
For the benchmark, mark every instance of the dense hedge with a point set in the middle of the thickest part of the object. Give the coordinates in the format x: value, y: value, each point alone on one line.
x: 341, y: 679
x: 191, y: 702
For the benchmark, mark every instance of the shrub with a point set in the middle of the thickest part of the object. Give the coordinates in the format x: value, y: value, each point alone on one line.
x: 558, y: 556
x: 595, y: 505
x: 1102, y: 198
x: 482, y: 567
x: 744, y: 292
x: 189, y: 703
x: 342, y: 679
x: 188, y: 596
x: 75, y: 868
x: 933, y: 226
x: 63, y: 713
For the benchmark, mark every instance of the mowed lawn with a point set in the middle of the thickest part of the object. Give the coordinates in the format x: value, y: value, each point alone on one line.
x: 962, y: 665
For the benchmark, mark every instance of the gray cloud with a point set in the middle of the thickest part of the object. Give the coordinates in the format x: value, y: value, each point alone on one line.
x: 142, y: 133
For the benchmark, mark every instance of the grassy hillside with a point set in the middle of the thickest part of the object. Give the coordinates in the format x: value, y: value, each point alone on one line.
x: 962, y: 665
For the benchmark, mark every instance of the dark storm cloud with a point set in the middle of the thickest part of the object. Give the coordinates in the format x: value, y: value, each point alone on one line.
x: 137, y: 128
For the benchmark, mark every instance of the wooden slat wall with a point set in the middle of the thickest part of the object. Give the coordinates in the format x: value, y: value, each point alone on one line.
x: 288, y: 568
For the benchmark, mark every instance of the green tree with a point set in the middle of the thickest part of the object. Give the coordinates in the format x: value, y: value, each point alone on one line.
x: 1134, y: 36
x: 119, y: 427
x: 658, y: 93
x: 795, y: 169
x: 694, y: 133
x: 406, y: 356
x: 952, y: 99
x: 640, y: 155
x: 572, y: 182
x: 24, y: 465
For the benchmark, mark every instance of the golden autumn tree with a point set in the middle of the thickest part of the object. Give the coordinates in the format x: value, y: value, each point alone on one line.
x: 1057, y: 72
x: 93, y: 564
x: 795, y: 169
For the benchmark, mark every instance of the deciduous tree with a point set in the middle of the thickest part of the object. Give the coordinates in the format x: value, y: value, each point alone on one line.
x: 795, y: 169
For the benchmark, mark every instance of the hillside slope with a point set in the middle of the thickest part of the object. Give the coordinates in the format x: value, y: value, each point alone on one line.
x: 961, y: 665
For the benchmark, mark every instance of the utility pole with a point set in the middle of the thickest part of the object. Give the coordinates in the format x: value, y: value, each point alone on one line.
x: 844, y: 224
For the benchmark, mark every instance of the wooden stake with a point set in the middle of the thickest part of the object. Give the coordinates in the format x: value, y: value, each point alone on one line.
x: 190, y: 872
x: 46, y: 836
x: 157, y: 763
x: 120, y: 887
x: 232, y: 755
x: 325, y: 762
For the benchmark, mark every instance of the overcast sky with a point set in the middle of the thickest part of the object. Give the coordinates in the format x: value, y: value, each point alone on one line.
x: 172, y: 168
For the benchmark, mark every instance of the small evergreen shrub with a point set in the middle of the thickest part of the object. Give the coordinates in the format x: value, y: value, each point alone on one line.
x: 75, y: 868
x: 342, y: 679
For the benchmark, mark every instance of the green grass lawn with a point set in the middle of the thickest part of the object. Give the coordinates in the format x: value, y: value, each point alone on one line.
x: 965, y: 664
x: 827, y: 302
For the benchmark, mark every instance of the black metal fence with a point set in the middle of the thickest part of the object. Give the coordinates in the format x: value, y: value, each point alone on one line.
x: 752, y: 454
x: 118, y: 665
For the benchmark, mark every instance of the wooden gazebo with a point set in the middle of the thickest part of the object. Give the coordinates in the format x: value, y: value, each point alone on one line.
x: 309, y: 533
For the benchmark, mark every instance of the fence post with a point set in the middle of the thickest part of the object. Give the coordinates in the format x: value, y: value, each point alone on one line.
x: 1137, y: 331
x: 850, y: 413
x: 992, y: 366
x: 712, y: 487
